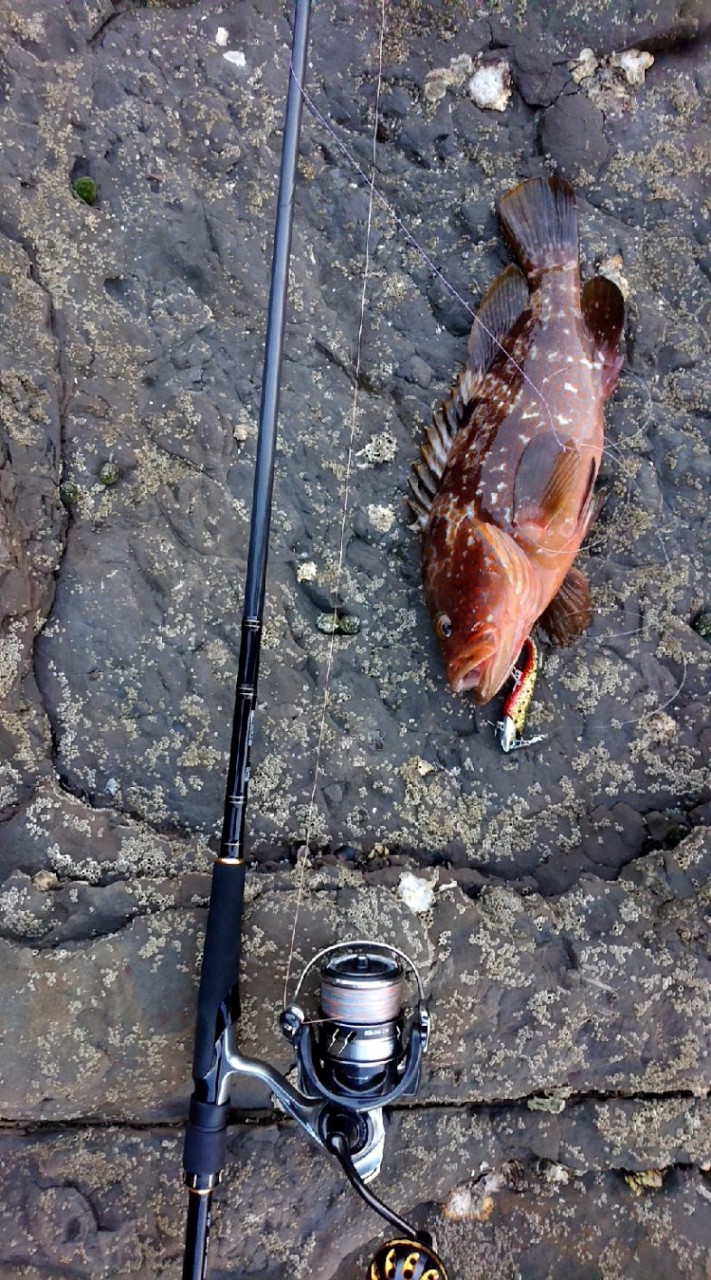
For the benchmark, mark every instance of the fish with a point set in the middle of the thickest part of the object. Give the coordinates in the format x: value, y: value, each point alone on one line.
x: 504, y: 492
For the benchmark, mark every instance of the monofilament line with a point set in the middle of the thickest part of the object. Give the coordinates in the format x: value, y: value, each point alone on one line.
x: 375, y: 194
x: 372, y: 195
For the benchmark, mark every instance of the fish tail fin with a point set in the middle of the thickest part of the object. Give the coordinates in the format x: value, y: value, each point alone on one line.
x: 540, y: 223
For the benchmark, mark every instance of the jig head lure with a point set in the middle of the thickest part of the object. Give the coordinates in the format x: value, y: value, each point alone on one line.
x: 510, y: 728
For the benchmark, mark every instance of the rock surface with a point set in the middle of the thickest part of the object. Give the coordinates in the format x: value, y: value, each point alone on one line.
x: 564, y: 947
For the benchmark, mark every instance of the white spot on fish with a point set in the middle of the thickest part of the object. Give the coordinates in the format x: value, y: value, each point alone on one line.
x: 568, y: 386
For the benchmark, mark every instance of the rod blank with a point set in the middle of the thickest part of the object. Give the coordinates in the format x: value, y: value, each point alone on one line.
x: 218, y: 999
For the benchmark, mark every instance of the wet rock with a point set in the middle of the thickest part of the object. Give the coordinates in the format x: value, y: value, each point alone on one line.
x: 602, y: 990
x: 538, y: 79
x: 563, y: 957
x: 572, y: 133
x: 112, y: 1200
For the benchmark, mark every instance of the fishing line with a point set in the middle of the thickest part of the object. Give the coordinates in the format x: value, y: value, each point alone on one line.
x: 422, y: 252
x: 346, y: 496
x: 610, y: 450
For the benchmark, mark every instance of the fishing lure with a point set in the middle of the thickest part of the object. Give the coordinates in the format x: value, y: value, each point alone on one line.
x: 509, y: 729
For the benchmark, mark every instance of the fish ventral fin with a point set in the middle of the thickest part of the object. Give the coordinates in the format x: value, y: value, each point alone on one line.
x: 506, y: 300
x: 541, y: 224
x: 545, y: 475
x: 603, y: 308
x: 570, y: 611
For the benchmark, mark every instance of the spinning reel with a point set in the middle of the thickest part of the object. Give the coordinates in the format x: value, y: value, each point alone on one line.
x: 358, y: 1053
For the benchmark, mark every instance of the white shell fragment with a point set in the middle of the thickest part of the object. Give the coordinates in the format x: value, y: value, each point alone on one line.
x: 416, y: 893
x: 584, y: 66
x: 381, y: 518
x: 236, y: 57
x: 222, y: 35
x: 307, y: 572
x: 440, y: 79
x: 635, y: 63
x: 490, y: 86
x: 613, y: 269
x: 544, y: 1102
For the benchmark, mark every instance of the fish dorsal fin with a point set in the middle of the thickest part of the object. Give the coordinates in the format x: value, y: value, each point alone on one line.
x: 570, y: 611
x: 506, y: 299
x: 426, y: 475
x: 545, y: 475
x: 603, y: 309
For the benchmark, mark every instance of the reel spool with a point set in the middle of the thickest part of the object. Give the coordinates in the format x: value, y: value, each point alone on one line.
x: 360, y: 1039
x: 406, y: 1260
x: 357, y: 1053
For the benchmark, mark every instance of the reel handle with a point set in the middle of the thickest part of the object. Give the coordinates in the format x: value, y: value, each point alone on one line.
x: 406, y: 1259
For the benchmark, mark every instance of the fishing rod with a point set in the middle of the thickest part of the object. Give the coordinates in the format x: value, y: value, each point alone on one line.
x: 361, y: 1047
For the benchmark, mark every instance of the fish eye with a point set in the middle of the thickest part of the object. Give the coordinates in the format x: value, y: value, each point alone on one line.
x: 443, y: 626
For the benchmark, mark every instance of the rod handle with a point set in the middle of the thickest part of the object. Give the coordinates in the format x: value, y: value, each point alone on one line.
x: 218, y: 995
x: 205, y: 1140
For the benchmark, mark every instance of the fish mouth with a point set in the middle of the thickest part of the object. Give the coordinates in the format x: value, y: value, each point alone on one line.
x: 467, y: 670
x: 485, y: 664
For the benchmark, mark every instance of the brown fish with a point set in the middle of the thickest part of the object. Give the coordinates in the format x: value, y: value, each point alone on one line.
x: 504, y: 493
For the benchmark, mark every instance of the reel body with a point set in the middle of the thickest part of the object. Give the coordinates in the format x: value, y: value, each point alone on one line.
x: 360, y: 1051
x: 357, y: 1054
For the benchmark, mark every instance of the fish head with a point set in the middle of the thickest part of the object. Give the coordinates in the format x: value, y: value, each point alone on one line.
x: 481, y: 596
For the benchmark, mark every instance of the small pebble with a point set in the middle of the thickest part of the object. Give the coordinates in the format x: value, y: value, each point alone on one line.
x: 342, y: 624
x: 86, y: 189
x: 109, y: 473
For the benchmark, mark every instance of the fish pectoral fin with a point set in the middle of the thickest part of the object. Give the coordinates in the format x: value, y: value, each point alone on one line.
x: 570, y: 611
x: 546, y: 474
x: 603, y: 309
x: 505, y: 300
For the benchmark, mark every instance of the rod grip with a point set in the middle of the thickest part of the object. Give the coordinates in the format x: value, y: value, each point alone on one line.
x: 219, y: 978
x: 205, y: 1138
